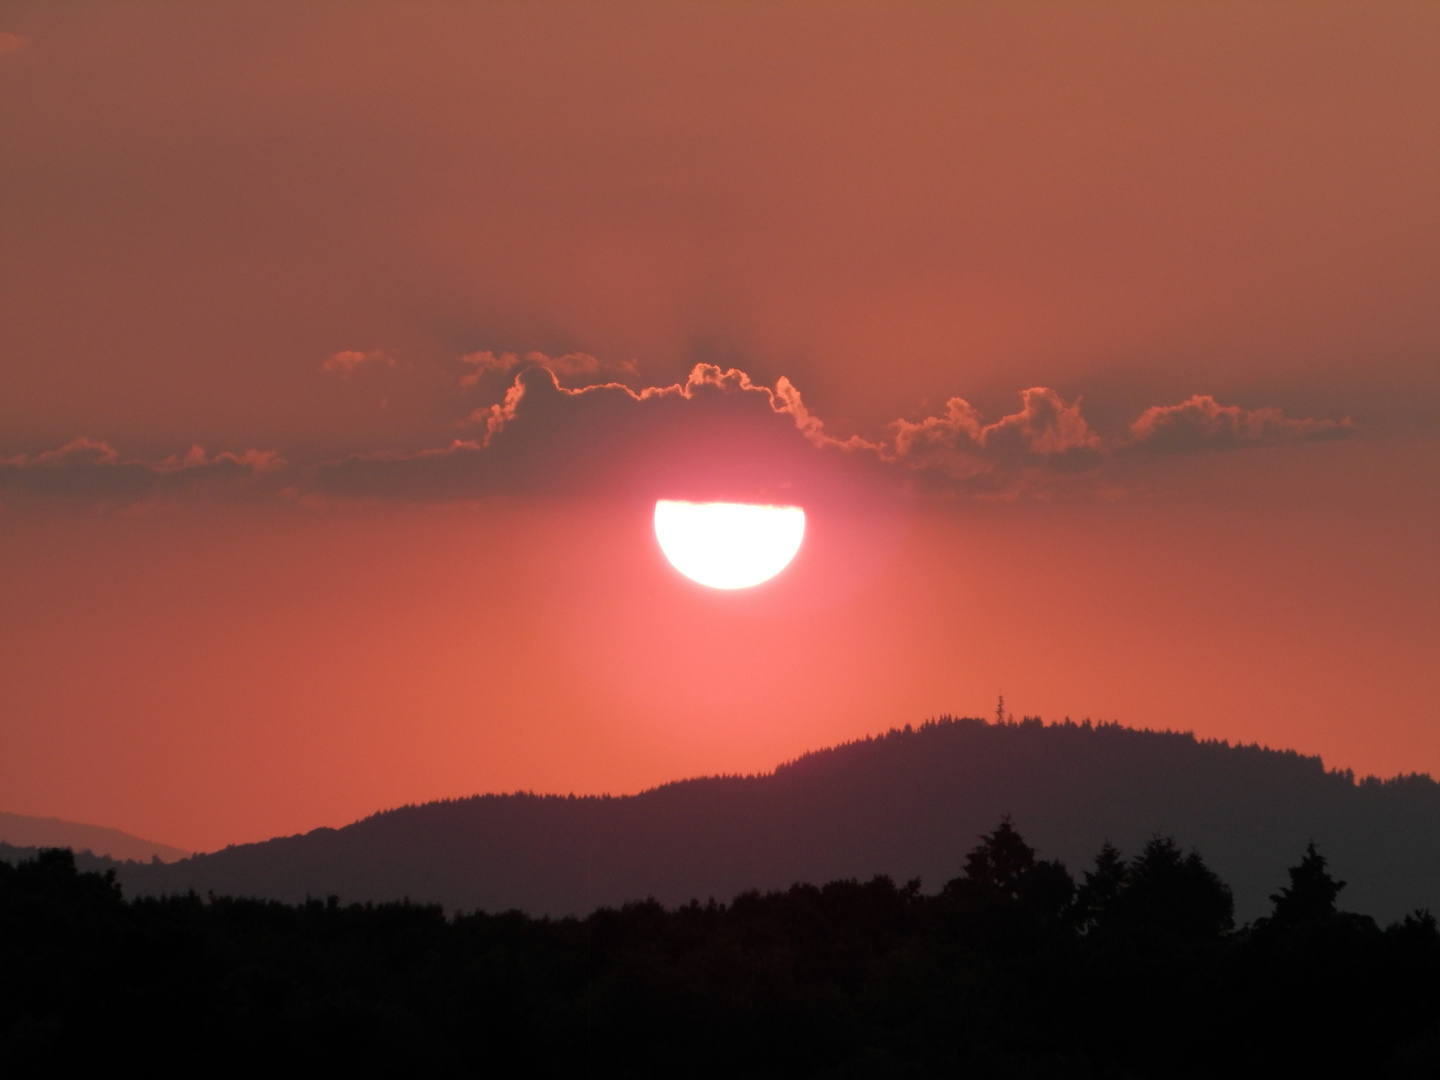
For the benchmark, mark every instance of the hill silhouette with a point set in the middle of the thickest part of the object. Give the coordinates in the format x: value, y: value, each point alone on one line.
x: 18, y: 830
x: 907, y: 804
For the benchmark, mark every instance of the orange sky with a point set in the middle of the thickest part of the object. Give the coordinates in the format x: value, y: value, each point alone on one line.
x: 298, y: 233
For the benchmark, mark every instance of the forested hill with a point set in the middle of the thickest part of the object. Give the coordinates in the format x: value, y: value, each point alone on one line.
x: 908, y: 804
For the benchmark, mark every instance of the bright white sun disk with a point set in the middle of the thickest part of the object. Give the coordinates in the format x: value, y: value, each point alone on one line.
x: 728, y: 545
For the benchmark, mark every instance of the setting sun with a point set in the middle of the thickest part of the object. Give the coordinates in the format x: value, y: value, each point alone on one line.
x: 728, y: 545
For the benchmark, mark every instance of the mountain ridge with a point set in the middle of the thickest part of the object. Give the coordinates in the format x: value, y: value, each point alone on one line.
x: 21, y: 830
x: 908, y: 803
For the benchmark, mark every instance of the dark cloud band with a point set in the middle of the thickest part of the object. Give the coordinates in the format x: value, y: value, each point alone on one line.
x: 92, y: 469
x: 717, y: 435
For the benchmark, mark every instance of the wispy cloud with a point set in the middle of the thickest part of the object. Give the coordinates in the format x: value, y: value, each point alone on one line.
x: 348, y: 361
x: 719, y: 433
x: 720, y: 430
x: 85, y: 467
x: 482, y: 363
x: 1202, y: 423
x: 1047, y: 431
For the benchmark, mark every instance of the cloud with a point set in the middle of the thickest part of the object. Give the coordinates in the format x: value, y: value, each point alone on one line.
x: 10, y: 43
x: 706, y: 384
x: 1049, y: 443
x: 85, y: 467
x: 577, y: 363
x: 721, y: 434
x: 346, y: 362
x: 718, y: 434
x: 1202, y: 423
x: 1047, y: 431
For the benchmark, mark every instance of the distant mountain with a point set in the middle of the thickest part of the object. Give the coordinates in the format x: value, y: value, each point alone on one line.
x: 909, y: 804
x: 18, y: 830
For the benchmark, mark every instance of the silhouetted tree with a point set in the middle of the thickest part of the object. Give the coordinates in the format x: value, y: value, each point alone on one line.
x: 1097, y: 899
x: 1047, y: 889
x: 1171, y: 895
x: 1001, y: 859
x: 1311, y: 894
x: 1003, y: 867
x: 849, y: 978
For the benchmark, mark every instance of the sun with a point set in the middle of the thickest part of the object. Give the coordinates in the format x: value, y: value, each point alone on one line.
x: 728, y: 545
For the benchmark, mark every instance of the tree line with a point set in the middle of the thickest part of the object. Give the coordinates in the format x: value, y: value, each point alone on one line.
x: 1015, y: 968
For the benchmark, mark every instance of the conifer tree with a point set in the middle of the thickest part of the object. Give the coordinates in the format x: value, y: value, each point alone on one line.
x: 1311, y: 894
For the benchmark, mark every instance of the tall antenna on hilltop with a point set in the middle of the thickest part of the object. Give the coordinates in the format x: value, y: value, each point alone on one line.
x: 1001, y: 716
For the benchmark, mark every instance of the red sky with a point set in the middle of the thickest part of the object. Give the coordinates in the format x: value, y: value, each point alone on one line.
x: 334, y: 245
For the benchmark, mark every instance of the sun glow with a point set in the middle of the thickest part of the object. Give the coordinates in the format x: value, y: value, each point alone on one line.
x: 728, y: 545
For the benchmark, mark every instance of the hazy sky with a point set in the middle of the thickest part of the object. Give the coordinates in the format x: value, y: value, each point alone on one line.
x: 344, y: 349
